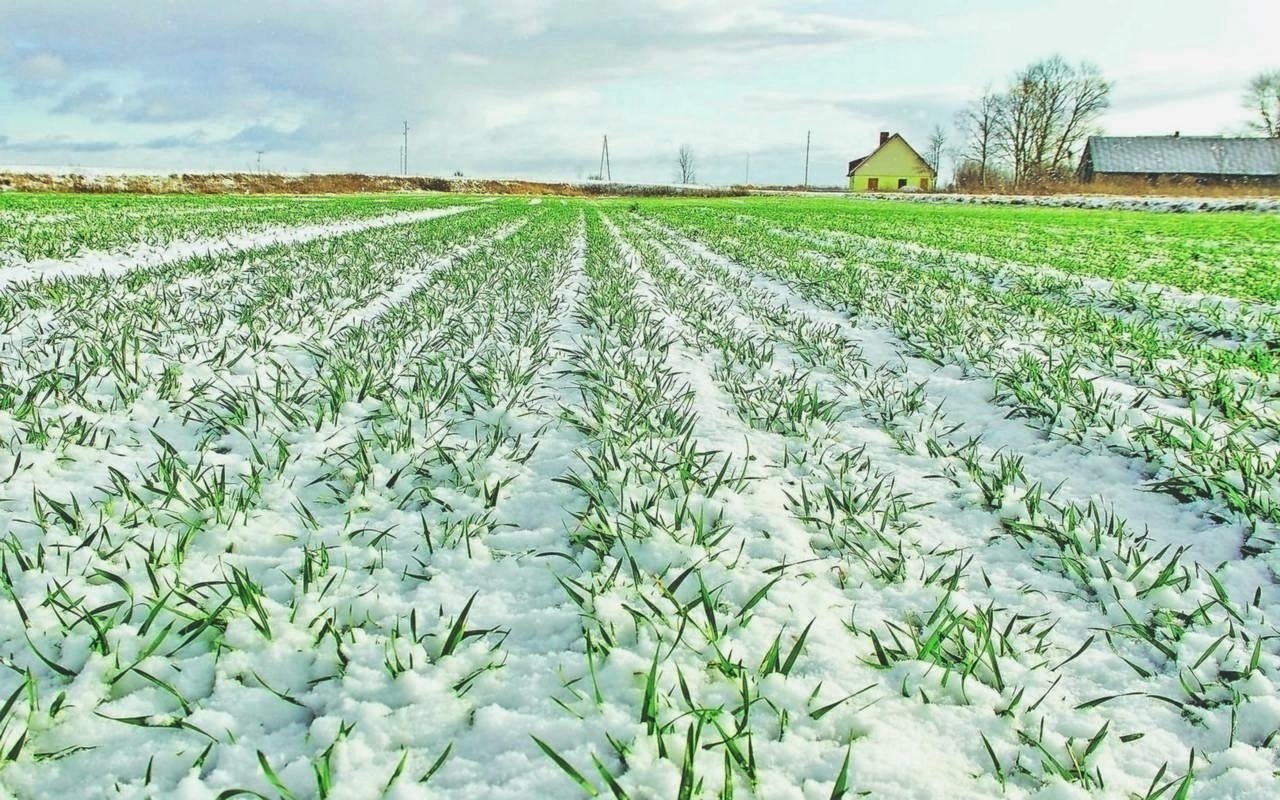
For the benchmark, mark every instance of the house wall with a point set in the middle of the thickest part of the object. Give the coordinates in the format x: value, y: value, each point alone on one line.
x: 888, y: 183
x: 888, y: 165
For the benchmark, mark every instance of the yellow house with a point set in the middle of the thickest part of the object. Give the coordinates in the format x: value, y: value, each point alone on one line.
x: 894, y: 166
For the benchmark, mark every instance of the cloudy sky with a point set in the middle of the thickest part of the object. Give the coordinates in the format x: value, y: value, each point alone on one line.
x: 527, y: 87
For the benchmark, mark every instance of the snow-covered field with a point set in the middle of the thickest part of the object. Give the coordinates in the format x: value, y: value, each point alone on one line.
x: 655, y: 499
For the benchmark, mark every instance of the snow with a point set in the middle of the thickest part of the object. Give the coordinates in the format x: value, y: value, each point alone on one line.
x: 99, y: 263
x: 486, y: 473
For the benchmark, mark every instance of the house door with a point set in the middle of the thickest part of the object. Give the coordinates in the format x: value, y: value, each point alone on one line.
x: 873, y: 184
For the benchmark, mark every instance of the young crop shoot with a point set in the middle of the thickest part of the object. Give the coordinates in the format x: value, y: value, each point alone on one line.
x: 761, y: 497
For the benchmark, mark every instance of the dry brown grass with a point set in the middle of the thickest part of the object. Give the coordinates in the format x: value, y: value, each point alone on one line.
x: 343, y: 183
x: 1131, y: 187
x: 778, y: 187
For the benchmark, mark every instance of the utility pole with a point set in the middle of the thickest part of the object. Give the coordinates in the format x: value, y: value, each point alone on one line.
x: 260, y: 152
x: 606, y: 171
x: 808, y: 136
x: 747, y: 181
x: 406, y: 147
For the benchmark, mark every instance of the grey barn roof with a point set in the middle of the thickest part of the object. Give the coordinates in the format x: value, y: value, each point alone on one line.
x: 1190, y: 155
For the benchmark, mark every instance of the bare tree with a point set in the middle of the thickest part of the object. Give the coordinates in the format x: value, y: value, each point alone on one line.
x: 1014, y: 114
x: 937, y: 141
x: 977, y: 124
x: 685, y: 168
x: 1045, y: 115
x: 1088, y: 95
x: 1263, y: 98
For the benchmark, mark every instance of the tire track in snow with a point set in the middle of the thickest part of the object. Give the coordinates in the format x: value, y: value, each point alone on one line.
x: 1259, y: 319
x: 233, y: 289
x: 1124, y: 386
x: 1091, y: 473
x: 514, y: 599
x: 767, y: 536
x: 135, y: 449
x: 519, y: 589
x: 273, y: 558
x: 1008, y: 572
x: 1083, y: 473
x: 420, y: 277
x: 118, y: 264
x: 991, y: 271
x: 1131, y: 404
x: 951, y: 535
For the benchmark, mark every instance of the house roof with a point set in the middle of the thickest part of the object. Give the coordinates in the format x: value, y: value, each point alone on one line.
x: 1190, y: 155
x: 857, y: 162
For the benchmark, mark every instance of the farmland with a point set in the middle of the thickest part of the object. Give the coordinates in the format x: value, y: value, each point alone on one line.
x: 448, y: 496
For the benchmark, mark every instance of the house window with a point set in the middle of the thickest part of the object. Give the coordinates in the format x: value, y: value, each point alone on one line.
x: 902, y: 183
x: 873, y: 184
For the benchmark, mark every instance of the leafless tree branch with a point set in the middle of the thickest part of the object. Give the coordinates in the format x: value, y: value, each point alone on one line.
x: 1263, y: 98
x: 685, y: 166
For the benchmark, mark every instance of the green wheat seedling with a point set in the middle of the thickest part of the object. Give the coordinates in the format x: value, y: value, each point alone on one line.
x: 683, y: 497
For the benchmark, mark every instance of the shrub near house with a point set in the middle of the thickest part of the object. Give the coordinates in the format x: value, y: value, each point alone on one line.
x: 893, y: 166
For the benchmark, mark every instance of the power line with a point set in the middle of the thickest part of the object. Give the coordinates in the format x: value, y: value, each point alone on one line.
x: 405, y: 168
x: 807, y: 137
x: 606, y: 170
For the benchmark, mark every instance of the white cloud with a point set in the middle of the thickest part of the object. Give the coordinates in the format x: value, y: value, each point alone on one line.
x: 528, y: 86
x: 466, y: 59
x: 42, y: 68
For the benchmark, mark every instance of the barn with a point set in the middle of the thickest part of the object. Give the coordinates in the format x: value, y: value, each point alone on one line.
x: 1182, y: 159
x: 891, y: 167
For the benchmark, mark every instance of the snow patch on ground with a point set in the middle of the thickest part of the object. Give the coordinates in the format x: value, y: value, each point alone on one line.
x: 148, y: 256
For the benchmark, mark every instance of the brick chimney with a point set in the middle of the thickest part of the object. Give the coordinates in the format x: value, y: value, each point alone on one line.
x: 884, y: 137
